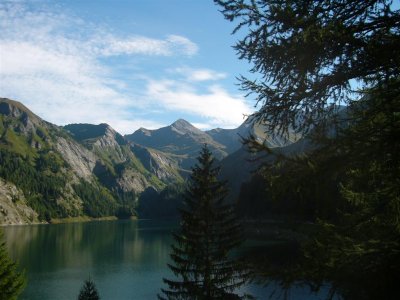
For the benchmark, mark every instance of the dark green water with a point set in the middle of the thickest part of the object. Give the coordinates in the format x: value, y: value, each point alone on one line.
x: 126, y: 259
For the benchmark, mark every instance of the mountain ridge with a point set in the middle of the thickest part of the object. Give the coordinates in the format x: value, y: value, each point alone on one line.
x: 93, y: 170
x: 180, y: 138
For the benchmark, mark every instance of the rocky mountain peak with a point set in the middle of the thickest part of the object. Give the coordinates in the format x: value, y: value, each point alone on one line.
x: 17, y: 110
x: 181, y: 123
x: 83, y: 131
x: 144, y: 131
x: 182, y: 126
x: 13, y: 108
x: 109, y: 131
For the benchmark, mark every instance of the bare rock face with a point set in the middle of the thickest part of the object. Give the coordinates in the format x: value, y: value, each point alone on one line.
x: 116, y: 166
x: 13, y: 206
x: 162, y: 165
x: 111, y: 142
x: 81, y: 160
x: 132, y: 181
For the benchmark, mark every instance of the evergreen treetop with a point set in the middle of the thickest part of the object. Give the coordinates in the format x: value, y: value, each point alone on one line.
x: 12, y: 282
x: 88, y: 291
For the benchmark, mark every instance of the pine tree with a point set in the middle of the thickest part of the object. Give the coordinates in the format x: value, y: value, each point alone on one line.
x: 208, y: 232
x: 11, y: 281
x: 88, y: 291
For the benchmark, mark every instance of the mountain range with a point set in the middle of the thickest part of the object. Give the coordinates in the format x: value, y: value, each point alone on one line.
x: 49, y: 171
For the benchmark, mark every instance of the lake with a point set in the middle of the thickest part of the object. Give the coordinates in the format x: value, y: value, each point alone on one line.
x: 126, y: 259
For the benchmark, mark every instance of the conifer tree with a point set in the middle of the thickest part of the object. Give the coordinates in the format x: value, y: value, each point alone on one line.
x: 89, y: 291
x: 12, y: 282
x: 208, y: 232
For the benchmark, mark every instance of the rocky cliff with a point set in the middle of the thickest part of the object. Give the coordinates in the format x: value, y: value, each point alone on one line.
x: 13, y: 206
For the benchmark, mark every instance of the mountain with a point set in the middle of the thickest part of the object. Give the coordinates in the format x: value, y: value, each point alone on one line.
x: 31, y: 162
x: 231, y: 138
x: 164, y: 166
x: 116, y: 150
x: 54, y: 172
x: 181, y: 140
x: 240, y: 166
x: 181, y: 143
x: 117, y: 167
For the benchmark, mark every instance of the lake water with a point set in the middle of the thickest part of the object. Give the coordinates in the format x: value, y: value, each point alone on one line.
x: 126, y: 259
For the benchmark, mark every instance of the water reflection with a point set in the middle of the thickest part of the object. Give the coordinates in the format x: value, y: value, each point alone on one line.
x: 113, y: 253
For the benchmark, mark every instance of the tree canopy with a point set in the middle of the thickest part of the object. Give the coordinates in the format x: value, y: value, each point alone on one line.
x: 311, y: 56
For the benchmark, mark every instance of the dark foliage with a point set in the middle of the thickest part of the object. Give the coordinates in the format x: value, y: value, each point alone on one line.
x: 12, y: 282
x: 88, y: 291
x: 97, y: 200
x: 105, y: 174
x: 40, y: 180
x: 164, y: 204
x: 310, y: 55
x: 350, y: 187
x: 254, y: 201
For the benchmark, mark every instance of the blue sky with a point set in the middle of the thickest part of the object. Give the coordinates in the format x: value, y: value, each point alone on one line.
x: 131, y: 64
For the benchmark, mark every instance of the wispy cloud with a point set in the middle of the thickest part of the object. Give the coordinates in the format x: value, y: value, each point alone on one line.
x: 200, y: 74
x: 172, y: 45
x: 51, y: 62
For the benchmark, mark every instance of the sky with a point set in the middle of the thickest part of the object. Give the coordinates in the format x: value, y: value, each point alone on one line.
x: 128, y: 63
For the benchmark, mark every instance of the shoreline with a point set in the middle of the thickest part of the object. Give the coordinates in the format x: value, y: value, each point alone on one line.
x: 80, y: 219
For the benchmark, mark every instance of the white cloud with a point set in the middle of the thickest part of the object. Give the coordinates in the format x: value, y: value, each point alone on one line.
x: 129, y: 126
x: 178, y: 41
x: 203, y: 126
x: 216, y: 105
x: 172, y: 45
x: 200, y: 74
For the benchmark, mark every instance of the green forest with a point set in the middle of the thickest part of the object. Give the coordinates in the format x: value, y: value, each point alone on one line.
x: 39, y: 180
